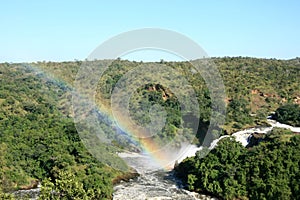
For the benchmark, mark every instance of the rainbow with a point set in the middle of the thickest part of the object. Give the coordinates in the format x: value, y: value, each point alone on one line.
x: 158, y: 154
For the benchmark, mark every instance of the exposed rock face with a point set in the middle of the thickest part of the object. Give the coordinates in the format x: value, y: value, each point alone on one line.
x: 33, y: 184
x: 297, y: 100
x: 255, y: 139
x: 166, y: 93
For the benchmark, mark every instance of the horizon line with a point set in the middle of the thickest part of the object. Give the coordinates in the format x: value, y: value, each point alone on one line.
x: 150, y: 61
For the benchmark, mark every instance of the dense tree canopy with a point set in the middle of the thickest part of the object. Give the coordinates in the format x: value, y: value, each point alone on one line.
x: 230, y: 171
x: 288, y: 114
x: 37, y: 141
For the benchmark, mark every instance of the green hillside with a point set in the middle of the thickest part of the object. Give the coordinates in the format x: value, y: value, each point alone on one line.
x: 39, y: 140
x: 254, y: 87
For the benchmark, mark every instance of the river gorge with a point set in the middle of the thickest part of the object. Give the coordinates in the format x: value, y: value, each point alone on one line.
x: 162, y: 185
x: 159, y: 184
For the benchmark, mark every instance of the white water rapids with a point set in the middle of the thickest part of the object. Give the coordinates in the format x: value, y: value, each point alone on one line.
x: 244, y: 135
x: 151, y: 185
x: 162, y: 185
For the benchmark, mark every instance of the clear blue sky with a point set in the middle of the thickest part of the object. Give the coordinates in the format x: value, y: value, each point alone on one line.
x: 67, y: 30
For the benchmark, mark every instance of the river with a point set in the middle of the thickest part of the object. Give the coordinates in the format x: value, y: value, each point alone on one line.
x: 151, y: 184
x: 160, y: 184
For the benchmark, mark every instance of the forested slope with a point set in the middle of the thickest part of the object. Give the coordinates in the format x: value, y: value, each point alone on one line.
x: 39, y: 139
x: 254, y: 87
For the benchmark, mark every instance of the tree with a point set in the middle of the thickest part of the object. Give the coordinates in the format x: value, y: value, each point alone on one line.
x: 66, y: 187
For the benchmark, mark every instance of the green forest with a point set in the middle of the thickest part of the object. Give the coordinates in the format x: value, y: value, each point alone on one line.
x: 288, y: 114
x: 269, y: 170
x: 39, y: 140
x: 40, y: 143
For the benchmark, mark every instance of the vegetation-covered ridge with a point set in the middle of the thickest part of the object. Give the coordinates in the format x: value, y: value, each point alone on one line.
x: 254, y: 88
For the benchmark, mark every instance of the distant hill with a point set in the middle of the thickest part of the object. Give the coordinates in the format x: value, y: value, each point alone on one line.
x: 254, y: 87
